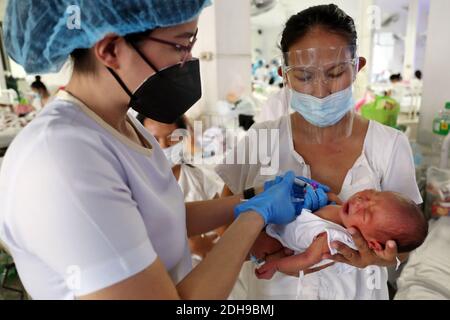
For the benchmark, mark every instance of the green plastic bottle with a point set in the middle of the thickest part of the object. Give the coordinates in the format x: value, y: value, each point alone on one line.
x: 441, y: 128
x: 442, y: 121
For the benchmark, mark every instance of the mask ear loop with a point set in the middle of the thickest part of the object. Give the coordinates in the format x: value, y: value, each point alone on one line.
x: 121, y: 83
x: 143, y: 56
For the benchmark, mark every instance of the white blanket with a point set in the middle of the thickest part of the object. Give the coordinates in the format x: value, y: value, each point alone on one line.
x: 339, y: 282
x: 426, y: 276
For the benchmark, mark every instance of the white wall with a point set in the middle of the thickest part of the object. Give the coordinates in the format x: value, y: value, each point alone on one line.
x: 436, y: 69
x: 396, y: 63
x: 272, y: 22
x: 224, y: 31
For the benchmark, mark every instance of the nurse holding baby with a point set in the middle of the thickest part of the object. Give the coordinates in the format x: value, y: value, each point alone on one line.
x: 324, y: 139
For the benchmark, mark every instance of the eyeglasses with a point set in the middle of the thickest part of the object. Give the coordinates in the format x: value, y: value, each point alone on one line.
x: 185, y: 50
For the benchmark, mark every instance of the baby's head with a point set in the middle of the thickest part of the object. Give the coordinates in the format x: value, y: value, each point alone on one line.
x: 384, y: 216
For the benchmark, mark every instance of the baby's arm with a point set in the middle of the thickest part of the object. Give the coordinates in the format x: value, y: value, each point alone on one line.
x: 293, y: 264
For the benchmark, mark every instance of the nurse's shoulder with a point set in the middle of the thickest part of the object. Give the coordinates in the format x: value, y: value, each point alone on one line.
x: 62, y: 134
x: 383, y: 139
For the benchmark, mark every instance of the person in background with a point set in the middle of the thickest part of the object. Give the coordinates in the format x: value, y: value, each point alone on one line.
x: 195, y: 184
x: 42, y: 96
x: 397, y: 90
x: 417, y: 82
x: 396, y: 78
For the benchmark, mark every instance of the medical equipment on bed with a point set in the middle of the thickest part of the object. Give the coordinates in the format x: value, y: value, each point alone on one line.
x: 437, y: 200
x: 257, y: 262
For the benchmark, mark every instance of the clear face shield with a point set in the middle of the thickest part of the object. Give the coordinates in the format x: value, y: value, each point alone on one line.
x: 319, y: 88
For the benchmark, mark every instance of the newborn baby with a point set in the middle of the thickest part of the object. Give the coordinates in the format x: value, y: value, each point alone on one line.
x: 380, y: 216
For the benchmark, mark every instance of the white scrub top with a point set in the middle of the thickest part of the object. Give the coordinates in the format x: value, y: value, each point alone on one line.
x: 83, y: 208
x: 337, y: 282
x: 386, y: 163
x: 274, y: 108
x: 196, y: 185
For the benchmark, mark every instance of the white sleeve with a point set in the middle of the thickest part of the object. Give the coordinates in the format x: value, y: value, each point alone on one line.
x: 80, y: 215
x: 400, y: 174
x: 211, y: 186
x: 335, y: 234
x: 241, y: 173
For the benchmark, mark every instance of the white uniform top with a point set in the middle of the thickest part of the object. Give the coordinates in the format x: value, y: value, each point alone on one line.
x: 386, y: 164
x: 83, y: 208
x: 196, y: 185
x: 338, y: 282
x: 274, y: 108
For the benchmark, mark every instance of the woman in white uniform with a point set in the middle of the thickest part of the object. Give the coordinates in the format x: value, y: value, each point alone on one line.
x: 176, y: 141
x: 324, y: 139
x: 89, y: 207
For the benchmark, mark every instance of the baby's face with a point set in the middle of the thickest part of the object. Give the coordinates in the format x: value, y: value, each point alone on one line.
x: 366, y: 211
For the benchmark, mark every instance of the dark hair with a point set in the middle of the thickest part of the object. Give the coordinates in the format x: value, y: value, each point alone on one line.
x: 418, y: 74
x: 39, y: 85
x: 330, y: 17
x: 83, y: 61
x: 180, y: 123
x: 396, y: 77
x: 407, y: 226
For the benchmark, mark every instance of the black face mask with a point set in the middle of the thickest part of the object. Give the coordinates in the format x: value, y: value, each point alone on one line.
x: 169, y: 93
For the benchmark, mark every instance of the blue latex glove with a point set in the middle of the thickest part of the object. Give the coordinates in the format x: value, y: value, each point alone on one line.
x: 314, y: 198
x: 275, y: 204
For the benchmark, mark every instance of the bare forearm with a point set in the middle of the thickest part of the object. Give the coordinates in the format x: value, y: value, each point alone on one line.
x: 205, y: 216
x: 215, y: 276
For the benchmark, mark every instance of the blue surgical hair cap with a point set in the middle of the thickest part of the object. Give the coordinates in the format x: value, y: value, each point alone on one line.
x: 40, y: 35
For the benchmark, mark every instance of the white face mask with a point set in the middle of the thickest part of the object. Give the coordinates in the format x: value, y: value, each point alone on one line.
x: 324, y: 112
x: 175, y: 154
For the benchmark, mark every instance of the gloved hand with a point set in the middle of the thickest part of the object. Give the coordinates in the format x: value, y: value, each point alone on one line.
x: 275, y: 204
x: 313, y: 193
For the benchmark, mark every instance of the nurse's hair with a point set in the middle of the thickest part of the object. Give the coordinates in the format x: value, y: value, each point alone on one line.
x: 83, y: 61
x: 330, y: 17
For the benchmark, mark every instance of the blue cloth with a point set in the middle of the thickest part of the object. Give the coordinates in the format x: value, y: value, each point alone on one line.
x: 41, y: 34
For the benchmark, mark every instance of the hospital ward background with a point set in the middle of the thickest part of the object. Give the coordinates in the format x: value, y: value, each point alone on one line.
x: 405, y: 86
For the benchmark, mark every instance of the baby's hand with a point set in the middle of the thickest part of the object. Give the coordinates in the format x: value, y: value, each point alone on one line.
x: 267, y: 271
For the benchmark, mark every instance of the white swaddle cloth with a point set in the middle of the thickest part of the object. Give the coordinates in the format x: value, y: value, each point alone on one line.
x: 299, y: 235
x: 340, y: 281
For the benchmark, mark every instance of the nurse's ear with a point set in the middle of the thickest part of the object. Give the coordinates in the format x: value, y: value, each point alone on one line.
x: 362, y: 63
x: 108, y: 50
